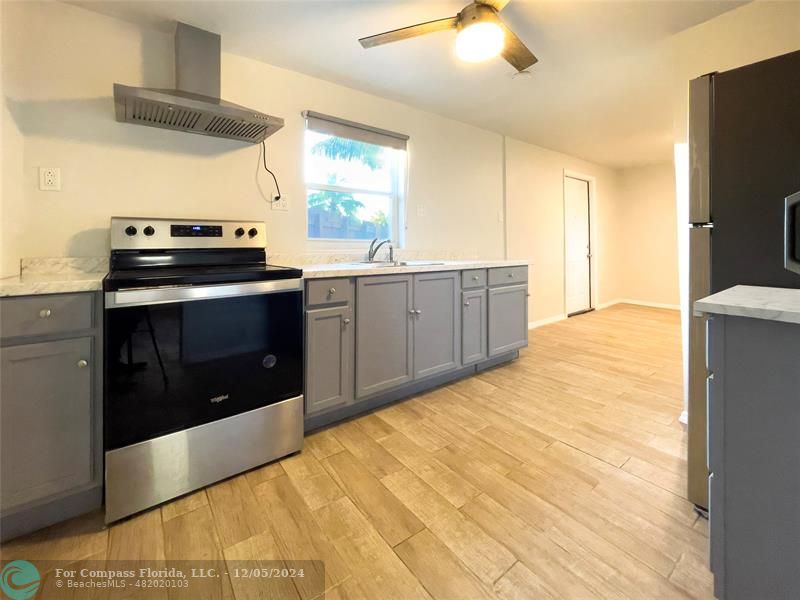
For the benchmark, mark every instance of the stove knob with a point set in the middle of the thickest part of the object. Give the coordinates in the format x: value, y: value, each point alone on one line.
x: 130, y: 230
x: 253, y: 232
x: 239, y: 232
x: 149, y: 230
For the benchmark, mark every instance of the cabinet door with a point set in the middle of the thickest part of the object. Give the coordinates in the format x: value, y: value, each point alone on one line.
x: 384, y: 333
x: 508, y: 319
x: 329, y: 358
x: 46, y: 403
x: 437, y: 334
x: 473, y: 327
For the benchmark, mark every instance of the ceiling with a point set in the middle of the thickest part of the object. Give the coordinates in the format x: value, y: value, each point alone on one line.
x: 601, y: 90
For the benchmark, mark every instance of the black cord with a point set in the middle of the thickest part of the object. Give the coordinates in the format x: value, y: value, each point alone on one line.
x: 266, y: 168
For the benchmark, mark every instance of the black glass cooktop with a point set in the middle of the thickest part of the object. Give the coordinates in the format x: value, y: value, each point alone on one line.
x: 137, y: 269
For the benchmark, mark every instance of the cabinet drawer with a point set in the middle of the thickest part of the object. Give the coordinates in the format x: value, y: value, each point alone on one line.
x: 46, y: 314
x: 508, y: 275
x: 329, y: 291
x: 474, y: 278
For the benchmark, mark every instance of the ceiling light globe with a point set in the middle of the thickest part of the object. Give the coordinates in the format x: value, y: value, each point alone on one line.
x: 479, y: 42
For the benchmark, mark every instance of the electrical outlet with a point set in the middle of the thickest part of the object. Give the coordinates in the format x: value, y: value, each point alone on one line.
x: 421, y: 211
x: 50, y: 179
x: 282, y: 204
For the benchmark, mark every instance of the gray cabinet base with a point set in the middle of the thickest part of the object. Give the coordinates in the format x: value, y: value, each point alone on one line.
x: 361, y: 406
x: 24, y: 520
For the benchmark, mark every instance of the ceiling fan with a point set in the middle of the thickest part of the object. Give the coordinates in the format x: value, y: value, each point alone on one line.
x: 481, y: 35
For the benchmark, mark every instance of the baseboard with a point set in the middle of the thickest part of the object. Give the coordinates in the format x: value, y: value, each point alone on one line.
x: 547, y: 321
x: 639, y: 303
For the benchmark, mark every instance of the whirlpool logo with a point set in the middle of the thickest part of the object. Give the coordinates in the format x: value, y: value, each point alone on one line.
x: 20, y: 580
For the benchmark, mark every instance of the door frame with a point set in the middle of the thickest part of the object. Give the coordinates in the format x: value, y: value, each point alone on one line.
x: 593, y: 277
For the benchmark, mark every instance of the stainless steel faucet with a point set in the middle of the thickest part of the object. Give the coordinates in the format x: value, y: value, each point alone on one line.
x: 373, y: 249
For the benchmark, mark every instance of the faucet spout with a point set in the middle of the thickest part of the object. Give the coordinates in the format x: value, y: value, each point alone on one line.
x: 373, y: 249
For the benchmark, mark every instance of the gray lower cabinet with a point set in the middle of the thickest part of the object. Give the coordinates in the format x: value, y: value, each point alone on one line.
x: 384, y: 333
x: 754, y: 458
x: 51, y: 464
x: 473, y: 327
x: 437, y: 335
x: 47, y: 419
x: 508, y: 318
x: 329, y: 357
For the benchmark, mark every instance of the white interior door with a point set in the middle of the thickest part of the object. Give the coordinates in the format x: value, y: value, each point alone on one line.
x: 578, y: 245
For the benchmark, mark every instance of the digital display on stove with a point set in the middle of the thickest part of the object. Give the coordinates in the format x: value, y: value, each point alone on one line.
x: 196, y: 230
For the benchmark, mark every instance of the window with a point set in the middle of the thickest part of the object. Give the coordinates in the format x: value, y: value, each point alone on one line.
x: 355, y: 180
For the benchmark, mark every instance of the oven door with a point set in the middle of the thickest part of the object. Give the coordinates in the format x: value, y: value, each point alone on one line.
x: 180, y: 357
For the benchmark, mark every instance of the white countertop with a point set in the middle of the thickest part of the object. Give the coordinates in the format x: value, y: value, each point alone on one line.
x: 51, y: 283
x: 33, y: 283
x: 772, y: 304
x: 359, y: 270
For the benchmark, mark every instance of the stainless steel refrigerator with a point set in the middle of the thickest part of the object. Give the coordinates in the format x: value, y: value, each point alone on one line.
x: 744, y: 155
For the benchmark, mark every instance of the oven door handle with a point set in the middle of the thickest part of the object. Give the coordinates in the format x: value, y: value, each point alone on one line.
x: 166, y: 295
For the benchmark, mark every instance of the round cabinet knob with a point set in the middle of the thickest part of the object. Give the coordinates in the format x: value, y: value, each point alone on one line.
x: 130, y: 230
x: 82, y: 364
x: 239, y: 232
x: 412, y: 312
x: 44, y: 313
x: 418, y: 311
x: 149, y: 230
x: 331, y: 291
x: 253, y: 232
x: 475, y: 278
x: 511, y: 275
x: 346, y: 321
x: 466, y: 303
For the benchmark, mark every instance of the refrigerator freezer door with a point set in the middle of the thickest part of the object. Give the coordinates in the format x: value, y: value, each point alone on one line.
x: 700, y: 102
x: 699, y: 287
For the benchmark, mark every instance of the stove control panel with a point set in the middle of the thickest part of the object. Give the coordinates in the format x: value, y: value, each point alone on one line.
x: 137, y: 233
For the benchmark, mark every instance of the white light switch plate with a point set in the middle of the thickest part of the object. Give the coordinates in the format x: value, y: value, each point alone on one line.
x: 50, y: 179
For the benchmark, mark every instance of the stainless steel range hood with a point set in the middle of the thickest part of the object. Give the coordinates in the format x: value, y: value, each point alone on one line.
x: 195, y: 106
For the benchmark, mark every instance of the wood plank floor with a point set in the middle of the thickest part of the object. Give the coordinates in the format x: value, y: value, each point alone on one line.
x: 561, y: 475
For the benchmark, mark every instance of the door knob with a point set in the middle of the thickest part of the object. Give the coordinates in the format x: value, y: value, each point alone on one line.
x: 44, y: 313
x: 82, y: 364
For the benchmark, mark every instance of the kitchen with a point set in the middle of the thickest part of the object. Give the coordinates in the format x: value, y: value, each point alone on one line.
x: 471, y: 293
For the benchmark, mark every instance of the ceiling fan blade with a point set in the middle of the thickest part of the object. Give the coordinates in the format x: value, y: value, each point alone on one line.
x: 515, y: 52
x: 498, y: 5
x: 397, y: 35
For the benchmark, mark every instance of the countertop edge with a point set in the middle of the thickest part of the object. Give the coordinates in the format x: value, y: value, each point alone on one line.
x: 754, y: 302
x: 321, y: 271
x: 93, y: 282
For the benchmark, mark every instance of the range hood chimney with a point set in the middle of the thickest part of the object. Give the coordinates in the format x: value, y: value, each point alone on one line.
x: 195, y: 106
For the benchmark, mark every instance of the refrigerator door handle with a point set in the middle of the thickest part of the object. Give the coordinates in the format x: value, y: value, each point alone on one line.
x: 700, y: 123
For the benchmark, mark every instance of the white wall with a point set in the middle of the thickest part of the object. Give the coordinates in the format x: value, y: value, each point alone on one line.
x: 648, y: 235
x: 59, y: 64
x: 535, y: 224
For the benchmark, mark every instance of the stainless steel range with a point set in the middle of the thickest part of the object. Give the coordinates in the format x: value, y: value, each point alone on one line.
x: 203, y: 358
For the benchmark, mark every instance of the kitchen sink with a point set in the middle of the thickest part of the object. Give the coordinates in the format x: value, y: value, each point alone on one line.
x: 401, y: 263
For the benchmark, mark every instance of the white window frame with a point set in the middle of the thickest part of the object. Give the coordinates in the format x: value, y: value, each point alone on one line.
x: 396, y: 195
